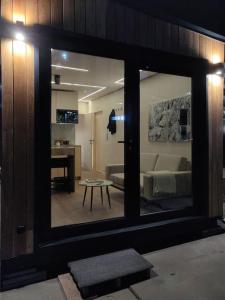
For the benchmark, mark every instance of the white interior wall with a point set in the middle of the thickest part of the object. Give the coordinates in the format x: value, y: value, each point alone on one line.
x: 112, y: 152
x: 154, y: 89
x: 63, y: 100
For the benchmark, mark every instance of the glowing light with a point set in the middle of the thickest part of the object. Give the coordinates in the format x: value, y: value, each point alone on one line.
x: 80, y: 84
x: 120, y: 81
x: 69, y: 68
x: 118, y: 118
x: 216, y: 59
x: 19, y: 47
x: 99, y: 88
x: 98, y: 91
x: 18, y: 18
x: 215, y: 79
x: 64, y: 55
x: 219, y: 72
x: 19, y: 36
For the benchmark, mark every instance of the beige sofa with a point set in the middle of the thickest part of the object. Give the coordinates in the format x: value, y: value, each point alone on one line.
x: 160, y: 175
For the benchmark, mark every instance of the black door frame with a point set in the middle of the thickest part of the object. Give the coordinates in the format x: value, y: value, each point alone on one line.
x: 135, y: 58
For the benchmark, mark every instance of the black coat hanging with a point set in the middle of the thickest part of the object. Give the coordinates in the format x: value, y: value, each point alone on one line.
x: 112, y: 122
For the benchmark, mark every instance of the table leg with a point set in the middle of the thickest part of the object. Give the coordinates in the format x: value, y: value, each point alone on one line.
x: 85, y: 192
x: 101, y: 194
x: 91, y: 198
x: 107, y: 191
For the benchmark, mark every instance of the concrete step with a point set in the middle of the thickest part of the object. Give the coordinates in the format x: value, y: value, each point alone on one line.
x: 103, y: 274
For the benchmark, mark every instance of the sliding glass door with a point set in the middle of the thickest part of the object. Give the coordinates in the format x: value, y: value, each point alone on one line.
x: 117, y: 140
x: 87, y: 138
x: 165, y: 142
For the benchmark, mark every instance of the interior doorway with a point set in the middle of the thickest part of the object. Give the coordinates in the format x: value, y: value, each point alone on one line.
x: 97, y: 142
x: 84, y: 137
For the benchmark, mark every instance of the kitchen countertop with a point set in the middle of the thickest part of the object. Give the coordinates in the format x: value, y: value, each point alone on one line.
x: 65, y: 146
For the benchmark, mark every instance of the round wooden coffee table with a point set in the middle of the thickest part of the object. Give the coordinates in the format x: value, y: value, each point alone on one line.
x: 96, y: 184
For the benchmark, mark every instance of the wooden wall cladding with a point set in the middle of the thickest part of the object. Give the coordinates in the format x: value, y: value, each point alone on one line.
x: 18, y: 134
x: 105, y: 19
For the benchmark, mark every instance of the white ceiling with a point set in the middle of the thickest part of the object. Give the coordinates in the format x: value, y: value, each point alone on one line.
x: 99, y: 80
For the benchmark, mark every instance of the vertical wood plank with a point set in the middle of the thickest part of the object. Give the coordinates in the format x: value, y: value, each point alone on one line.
x: 101, y: 12
x: 143, y: 29
x: 184, y: 47
x: 20, y: 155
x: 205, y: 47
x: 68, y: 14
x: 19, y: 10
x: 57, y: 13
x: 44, y: 12
x: 163, y: 35
x: 31, y: 12
x: 90, y: 18
x: 151, y: 33
x: 131, y: 26
x: 7, y: 9
x: 7, y: 205
x: 216, y: 128
x: 80, y: 16
x: 119, y: 21
x: 174, y: 38
x: 195, y: 43
x: 30, y: 97
x: 110, y: 20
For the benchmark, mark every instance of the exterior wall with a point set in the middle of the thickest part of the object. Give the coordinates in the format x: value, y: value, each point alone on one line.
x: 100, y: 18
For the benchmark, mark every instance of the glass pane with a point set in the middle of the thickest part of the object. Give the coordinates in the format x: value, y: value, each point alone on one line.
x: 87, y: 161
x: 165, y: 142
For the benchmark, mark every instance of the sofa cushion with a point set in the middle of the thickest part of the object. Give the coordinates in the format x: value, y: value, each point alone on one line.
x: 148, y: 161
x: 169, y: 162
x: 118, y: 179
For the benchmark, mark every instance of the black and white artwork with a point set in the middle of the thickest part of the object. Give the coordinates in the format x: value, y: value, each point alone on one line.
x: 170, y: 120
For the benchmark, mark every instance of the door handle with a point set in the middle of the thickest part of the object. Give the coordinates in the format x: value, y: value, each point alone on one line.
x: 130, y: 143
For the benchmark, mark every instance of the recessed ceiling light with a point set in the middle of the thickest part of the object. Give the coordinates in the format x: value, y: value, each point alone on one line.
x: 81, y: 84
x: 120, y: 81
x: 99, y: 88
x: 98, y: 91
x: 69, y: 68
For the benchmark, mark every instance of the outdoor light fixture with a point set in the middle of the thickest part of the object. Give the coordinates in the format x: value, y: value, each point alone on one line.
x: 19, y: 36
x: 216, y: 69
x: 216, y: 73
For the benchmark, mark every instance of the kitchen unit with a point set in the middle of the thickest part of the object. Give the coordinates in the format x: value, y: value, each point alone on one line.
x: 67, y: 150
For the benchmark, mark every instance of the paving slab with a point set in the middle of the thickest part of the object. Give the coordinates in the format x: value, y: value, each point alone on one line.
x: 47, y: 290
x: 120, y: 295
x: 190, y: 271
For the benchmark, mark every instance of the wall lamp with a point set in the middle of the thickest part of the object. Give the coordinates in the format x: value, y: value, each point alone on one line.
x: 19, y: 35
x: 216, y: 69
x: 216, y: 73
